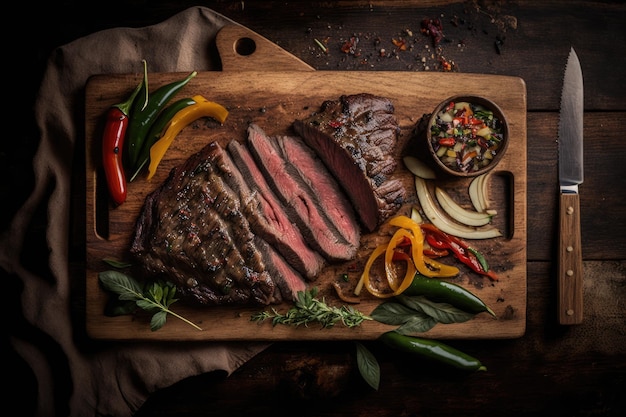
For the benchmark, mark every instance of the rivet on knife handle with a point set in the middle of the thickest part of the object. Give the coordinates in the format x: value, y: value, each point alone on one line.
x: 570, y: 279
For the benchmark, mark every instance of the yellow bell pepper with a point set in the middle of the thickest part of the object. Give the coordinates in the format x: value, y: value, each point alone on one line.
x: 390, y: 255
x: 408, y: 230
x: 202, y: 108
x: 397, y: 288
x: 425, y: 265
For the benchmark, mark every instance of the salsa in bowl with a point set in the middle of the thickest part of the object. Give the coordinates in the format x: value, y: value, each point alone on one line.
x: 466, y: 136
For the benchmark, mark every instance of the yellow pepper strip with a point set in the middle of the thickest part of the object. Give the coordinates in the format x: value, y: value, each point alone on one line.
x: 367, y: 282
x: 390, y: 255
x: 408, y: 230
x: 202, y: 108
x: 437, y: 269
x: 443, y: 270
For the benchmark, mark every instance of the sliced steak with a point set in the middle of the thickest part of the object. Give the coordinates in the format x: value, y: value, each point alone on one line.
x: 193, y: 232
x: 328, y: 194
x: 287, y: 279
x: 301, y: 203
x: 356, y: 137
x: 267, y: 215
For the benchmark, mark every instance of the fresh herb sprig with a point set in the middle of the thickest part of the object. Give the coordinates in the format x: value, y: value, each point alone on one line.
x: 155, y: 298
x: 309, y: 309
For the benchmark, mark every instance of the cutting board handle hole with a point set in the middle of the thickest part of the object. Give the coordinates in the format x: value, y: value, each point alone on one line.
x: 245, y: 46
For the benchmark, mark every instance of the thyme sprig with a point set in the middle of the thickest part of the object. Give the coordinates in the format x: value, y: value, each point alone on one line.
x: 309, y: 309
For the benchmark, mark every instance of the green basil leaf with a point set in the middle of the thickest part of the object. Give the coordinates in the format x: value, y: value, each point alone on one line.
x: 392, y: 313
x: 442, y: 312
x: 368, y: 366
x: 158, y: 320
x: 148, y: 305
x: 117, y: 264
x: 156, y: 292
x: 121, y: 284
x: 417, y: 324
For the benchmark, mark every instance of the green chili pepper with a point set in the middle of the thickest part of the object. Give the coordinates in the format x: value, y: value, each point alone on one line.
x: 431, y: 349
x: 143, y: 116
x: 156, y: 130
x: 439, y: 290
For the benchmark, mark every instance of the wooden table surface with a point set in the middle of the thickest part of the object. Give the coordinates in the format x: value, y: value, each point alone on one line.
x: 575, y: 370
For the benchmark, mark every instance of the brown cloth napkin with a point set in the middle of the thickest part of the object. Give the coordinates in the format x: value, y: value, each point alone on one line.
x: 77, y: 377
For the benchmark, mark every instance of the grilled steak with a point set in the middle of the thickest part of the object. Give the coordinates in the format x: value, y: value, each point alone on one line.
x: 269, y: 219
x: 301, y: 201
x: 194, y: 230
x: 252, y: 223
x: 329, y: 195
x: 356, y: 138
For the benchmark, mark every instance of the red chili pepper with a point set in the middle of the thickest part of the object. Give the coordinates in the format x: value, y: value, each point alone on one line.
x: 460, y: 249
x: 112, y: 144
x: 449, y: 142
x: 435, y: 252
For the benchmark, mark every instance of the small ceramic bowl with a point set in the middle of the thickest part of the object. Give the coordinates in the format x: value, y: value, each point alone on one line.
x: 465, y: 136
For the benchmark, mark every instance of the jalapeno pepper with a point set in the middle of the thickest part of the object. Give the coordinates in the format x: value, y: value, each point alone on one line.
x: 439, y: 290
x: 431, y: 349
x: 143, y: 116
x: 202, y: 108
x: 115, y: 127
x: 157, y: 130
x: 459, y: 248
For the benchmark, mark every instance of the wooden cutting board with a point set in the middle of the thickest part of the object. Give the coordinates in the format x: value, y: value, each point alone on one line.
x: 262, y: 83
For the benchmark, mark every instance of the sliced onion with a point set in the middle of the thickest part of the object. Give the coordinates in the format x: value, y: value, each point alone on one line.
x: 458, y: 213
x: 418, y: 168
x: 478, y: 191
x: 473, y: 193
x: 444, y: 222
x: 416, y: 216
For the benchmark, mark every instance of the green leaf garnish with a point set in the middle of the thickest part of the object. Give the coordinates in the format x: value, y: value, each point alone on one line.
x: 156, y: 299
x: 368, y: 366
x: 442, y: 312
x: 117, y: 264
x: 308, y: 309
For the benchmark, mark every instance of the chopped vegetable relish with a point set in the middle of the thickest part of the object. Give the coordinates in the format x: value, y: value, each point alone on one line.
x: 466, y: 136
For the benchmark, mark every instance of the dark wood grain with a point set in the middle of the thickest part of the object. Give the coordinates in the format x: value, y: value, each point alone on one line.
x: 561, y: 370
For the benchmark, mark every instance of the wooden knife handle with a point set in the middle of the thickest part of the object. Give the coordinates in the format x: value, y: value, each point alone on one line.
x: 570, y: 280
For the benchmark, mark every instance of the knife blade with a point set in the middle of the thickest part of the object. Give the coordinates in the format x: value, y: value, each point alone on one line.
x: 570, y: 149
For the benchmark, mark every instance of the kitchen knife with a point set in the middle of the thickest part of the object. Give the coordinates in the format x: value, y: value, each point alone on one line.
x: 570, y: 145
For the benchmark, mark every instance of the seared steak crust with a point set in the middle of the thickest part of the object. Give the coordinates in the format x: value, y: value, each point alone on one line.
x: 193, y: 231
x: 356, y: 137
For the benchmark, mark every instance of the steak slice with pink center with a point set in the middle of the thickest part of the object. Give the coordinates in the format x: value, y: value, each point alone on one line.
x: 299, y: 201
x: 268, y: 217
